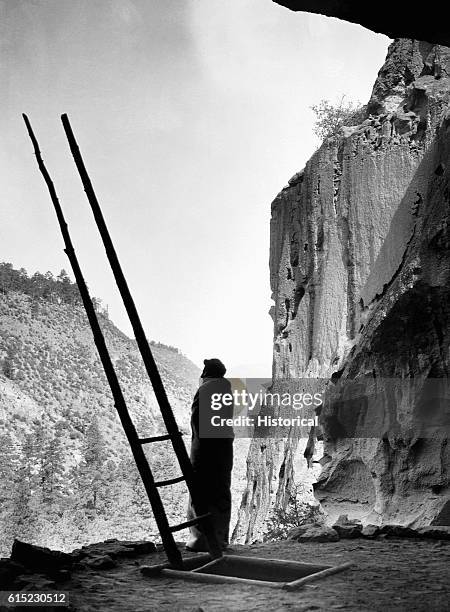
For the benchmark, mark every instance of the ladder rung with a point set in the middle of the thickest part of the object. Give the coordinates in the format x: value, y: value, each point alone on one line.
x: 159, y: 438
x: 193, y: 521
x: 171, y: 481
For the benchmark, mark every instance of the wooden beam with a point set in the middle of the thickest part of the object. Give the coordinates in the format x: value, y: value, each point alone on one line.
x: 143, y: 345
x: 170, y: 546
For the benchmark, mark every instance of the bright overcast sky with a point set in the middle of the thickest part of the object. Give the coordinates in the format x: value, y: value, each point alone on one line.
x: 191, y: 116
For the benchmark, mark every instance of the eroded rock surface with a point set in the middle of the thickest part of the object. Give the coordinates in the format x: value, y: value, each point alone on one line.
x: 393, y: 19
x: 360, y: 274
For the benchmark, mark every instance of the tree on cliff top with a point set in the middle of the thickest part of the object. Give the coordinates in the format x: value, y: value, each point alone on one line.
x: 330, y: 118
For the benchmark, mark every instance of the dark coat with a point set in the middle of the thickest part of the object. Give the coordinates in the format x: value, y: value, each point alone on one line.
x: 212, y: 460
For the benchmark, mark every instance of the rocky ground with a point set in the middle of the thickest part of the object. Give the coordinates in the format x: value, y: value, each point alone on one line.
x: 389, y: 573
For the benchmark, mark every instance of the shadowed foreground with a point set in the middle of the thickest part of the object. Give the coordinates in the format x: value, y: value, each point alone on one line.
x: 389, y: 574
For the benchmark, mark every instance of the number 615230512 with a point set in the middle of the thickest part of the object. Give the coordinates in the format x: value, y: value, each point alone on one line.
x: 52, y: 598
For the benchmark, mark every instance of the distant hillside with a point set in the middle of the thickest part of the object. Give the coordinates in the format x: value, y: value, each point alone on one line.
x: 66, y: 472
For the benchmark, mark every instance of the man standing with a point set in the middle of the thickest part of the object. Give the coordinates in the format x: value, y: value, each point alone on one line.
x: 212, y: 457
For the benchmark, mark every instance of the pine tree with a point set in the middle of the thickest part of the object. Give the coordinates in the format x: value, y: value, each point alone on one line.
x: 10, y: 362
x: 64, y: 286
x: 8, y: 466
x: 91, y: 479
x: 51, y: 473
x: 39, y: 437
x: 131, y: 515
x: 25, y: 513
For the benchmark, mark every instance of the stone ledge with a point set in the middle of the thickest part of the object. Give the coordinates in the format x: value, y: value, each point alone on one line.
x: 30, y: 566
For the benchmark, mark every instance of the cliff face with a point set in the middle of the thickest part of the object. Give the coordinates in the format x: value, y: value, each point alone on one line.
x: 360, y: 278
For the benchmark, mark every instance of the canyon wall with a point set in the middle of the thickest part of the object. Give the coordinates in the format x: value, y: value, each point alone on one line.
x: 360, y: 274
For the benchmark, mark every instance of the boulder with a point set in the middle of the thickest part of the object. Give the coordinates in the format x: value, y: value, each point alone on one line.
x: 347, y: 529
x: 313, y: 533
x: 348, y: 532
x: 434, y: 533
x: 100, y: 562
x: 39, y: 558
x: 398, y: 531
x: 370, y: 531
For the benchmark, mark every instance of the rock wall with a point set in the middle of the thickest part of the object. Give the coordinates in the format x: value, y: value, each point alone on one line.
x: 390, y: 18
x: 360, y: 269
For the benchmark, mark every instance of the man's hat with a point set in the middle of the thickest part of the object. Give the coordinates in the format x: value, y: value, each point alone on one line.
x: 214, y: 368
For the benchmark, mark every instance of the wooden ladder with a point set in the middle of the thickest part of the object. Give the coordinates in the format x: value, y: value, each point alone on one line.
x: 152, y: 487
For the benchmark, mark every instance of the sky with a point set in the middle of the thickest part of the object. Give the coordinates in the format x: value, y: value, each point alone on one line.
x: 191, y: 116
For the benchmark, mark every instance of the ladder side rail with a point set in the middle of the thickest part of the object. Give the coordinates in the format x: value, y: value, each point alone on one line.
x: 170, y: 546
x: 142, y: 342
x: 141, y: 339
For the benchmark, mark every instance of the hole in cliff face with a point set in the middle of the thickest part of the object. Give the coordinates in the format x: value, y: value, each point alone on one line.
x: 349, y: 490
x: 419, y: 105
x: 415, y: 207
x: 299, y: 293
x: 293, y: 258
x: 287, y: 306
x: 320, y: 238
x: 439, y: 170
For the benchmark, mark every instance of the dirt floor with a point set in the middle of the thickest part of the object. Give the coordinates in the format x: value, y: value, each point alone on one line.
x: 389, y: 574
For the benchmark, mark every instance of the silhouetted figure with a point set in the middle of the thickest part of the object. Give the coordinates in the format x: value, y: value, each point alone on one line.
x: 212, y: 457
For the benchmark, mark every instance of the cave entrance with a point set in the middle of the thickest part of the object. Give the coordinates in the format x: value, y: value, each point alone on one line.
x: 213, y: 567
x: 237, y: 569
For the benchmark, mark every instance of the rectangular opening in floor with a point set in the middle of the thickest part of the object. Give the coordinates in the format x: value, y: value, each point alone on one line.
x: 275, y: 573
x: 253, y: 568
